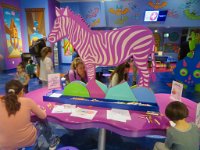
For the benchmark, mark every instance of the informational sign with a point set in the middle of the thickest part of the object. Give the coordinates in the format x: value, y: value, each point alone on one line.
x: 176, y: 91
x: 155, y: 15
x: 53, y: 81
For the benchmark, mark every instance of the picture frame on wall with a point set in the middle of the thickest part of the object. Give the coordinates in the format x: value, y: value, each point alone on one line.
x: 35, y: 24
x: 12, y: 27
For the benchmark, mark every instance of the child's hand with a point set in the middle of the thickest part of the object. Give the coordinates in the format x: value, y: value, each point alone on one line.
x: 43, y: 108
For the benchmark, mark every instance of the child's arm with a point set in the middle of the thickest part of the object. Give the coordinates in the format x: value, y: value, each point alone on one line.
x: 27, y: 78
x: 49, y: 66
x: 37, y: 110
x: 71, y: 75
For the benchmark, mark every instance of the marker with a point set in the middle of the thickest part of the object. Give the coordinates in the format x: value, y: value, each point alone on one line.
x: 141, y: 117
x: 147, y: 119
x: 157, y: 121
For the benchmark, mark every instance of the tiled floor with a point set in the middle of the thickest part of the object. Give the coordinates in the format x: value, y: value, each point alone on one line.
x: 87, y: 139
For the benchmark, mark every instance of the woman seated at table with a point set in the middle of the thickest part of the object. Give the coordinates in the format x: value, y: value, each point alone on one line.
x: 77, y: 71
x: 16, y: 129
x: 120, y: 74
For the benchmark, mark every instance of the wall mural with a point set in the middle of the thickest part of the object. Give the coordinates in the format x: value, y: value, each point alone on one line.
x: 35, y: 24
x: 67, y: 47
x: 192, y: 10
x: 172, y: 13
x: 92, y: 15
x: 157, y: 4
x: 135, y: 10
x: 13, y: 32
x: 105, y: 48
x: 121, y: 12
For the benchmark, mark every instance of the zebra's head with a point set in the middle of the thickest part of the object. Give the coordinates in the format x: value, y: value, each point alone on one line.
x: 60, y: 25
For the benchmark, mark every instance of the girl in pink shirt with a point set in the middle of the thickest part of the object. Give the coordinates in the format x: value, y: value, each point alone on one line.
x: 16, y: 128
x: 77, y: 71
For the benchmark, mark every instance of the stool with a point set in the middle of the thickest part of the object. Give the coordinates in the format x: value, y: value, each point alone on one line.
x: 106, y: 75
x: 27, y: 148
x: 150, y: 140
x: 68, y: 148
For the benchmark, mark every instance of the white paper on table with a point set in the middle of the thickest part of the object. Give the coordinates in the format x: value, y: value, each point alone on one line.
x: 83, y: 113
x: 115, y: 116
x: 65, y: 108
x: 124, y: 113
x: 176, y: 91
x: 55, y: 95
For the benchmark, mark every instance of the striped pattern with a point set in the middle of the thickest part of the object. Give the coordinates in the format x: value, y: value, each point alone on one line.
x: 106, y: 48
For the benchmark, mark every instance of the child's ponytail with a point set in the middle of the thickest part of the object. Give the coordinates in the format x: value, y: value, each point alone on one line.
x: 12, y: 89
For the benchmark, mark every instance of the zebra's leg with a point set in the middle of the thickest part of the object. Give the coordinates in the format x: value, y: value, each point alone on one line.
x: 94, y: 90
x: 144, y: 78
x: 143, y: 72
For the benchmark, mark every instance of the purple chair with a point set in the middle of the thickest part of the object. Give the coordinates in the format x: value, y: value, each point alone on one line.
x: 68, y: 148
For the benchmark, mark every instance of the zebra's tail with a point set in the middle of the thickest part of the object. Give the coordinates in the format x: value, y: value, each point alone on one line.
x: 153, y: 75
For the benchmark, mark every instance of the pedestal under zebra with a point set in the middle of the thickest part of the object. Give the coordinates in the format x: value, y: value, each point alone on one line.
x: 105, y: 48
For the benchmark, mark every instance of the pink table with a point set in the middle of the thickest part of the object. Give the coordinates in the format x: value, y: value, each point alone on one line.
x: 136, y: 127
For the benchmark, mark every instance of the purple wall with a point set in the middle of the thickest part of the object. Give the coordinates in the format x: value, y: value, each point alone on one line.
x: 11, y: 62
x: 52, y: 15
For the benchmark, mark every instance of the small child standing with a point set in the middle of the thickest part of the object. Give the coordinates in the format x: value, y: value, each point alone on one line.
x: 22, y: 76
x: 30, y: 68
x: 184, y: 136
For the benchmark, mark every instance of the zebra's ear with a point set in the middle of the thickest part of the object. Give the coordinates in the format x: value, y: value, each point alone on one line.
x: 65, y: 12
x: 57, y: 12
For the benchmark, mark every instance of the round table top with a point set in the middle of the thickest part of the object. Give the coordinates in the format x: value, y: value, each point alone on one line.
x: 136, y: 127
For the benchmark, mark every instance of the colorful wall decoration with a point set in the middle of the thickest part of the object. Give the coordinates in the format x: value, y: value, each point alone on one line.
x: 121, y: 12
x: 187, y: 71
x: 13, y: 32
x: 66, y: 51
x: 192, y: 9
x: 91, y: 12
x: 157, y: 4
x: 67, y: 47
x: 35, y: 24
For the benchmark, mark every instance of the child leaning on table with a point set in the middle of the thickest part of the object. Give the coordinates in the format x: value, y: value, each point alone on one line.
x: 184, y: 136
x: 16, y: 129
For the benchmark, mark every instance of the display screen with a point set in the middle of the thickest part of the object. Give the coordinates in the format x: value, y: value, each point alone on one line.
x: 155, y: 15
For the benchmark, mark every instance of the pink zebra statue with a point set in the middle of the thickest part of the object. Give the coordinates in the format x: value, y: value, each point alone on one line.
x: 105, y: 48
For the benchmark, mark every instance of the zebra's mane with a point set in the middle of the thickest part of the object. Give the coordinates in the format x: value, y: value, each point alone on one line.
x: 77, y: 17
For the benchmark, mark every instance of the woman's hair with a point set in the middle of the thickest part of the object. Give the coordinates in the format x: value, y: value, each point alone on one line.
x: 120, y: 71
x: 12, y: 89
x: 176, y: 111
x: 45, y: 51
x: 76, y: 62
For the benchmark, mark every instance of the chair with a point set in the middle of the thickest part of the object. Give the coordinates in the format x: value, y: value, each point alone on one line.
x: 68, y: 148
